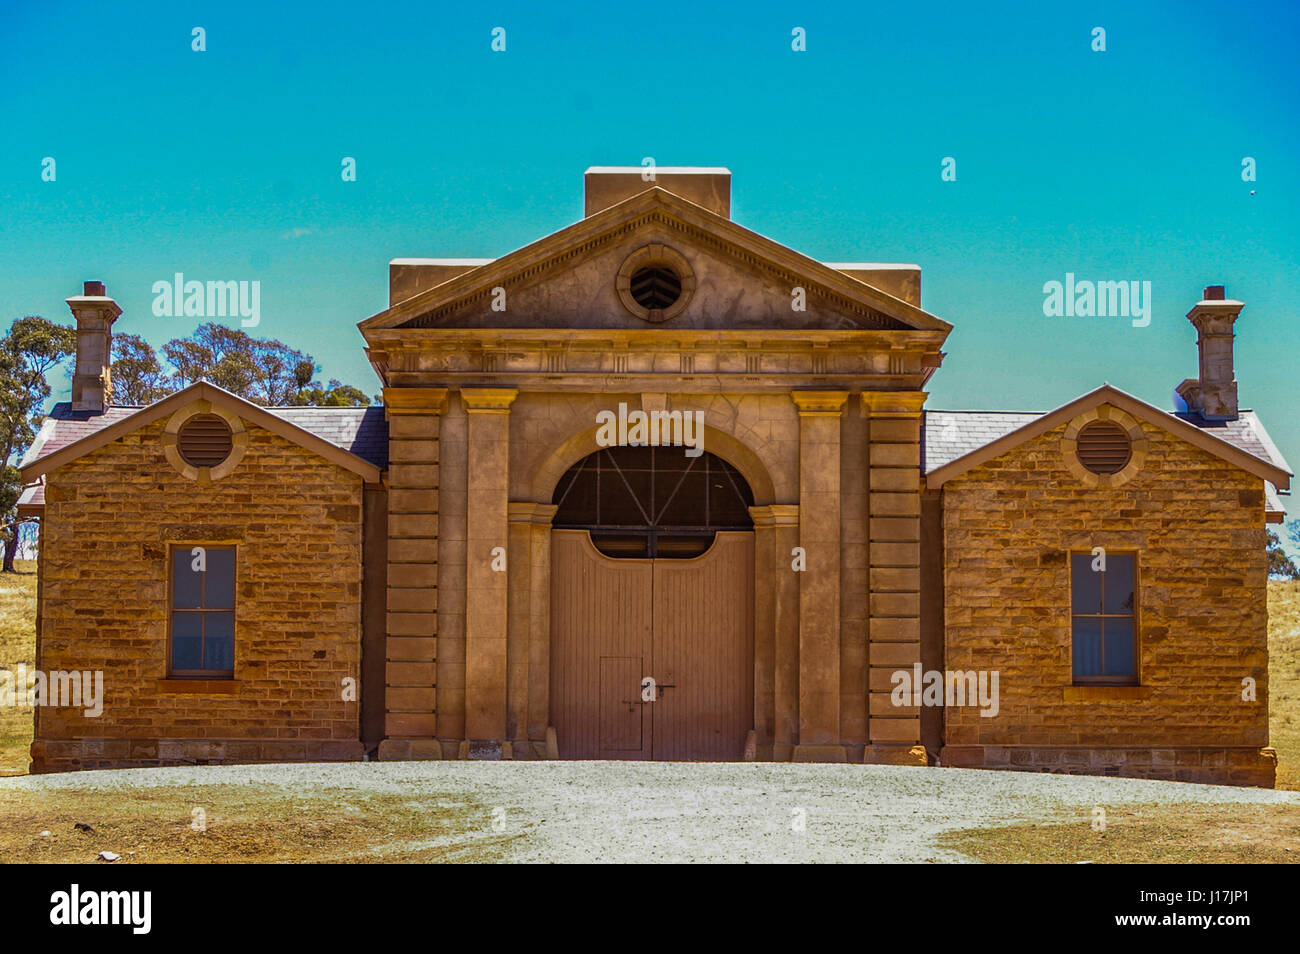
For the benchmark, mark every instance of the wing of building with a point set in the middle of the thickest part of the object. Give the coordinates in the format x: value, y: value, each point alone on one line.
x: 658, y: 487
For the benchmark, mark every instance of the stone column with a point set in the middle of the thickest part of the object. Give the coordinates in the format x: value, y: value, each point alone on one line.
x: 776, y: 631
x: 486, y: 587
x: 410, y: 700
x: 894, y: 556
x: 819, y: 583
x: 528, y: 644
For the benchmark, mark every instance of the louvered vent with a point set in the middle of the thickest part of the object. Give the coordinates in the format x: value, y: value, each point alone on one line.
x: 656, y: 288
x: 1103, y: 447
x: 204, y: 440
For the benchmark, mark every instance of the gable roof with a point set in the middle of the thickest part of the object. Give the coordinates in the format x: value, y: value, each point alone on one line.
x: 955, y: 442
x: 354, y: 438
x: 868, y: 306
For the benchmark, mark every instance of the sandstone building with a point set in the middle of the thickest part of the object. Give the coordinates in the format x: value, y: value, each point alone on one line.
x: 475, y: 570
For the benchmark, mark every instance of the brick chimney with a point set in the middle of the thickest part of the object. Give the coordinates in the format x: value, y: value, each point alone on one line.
x: 92, y: 385
x: 1214, y: 393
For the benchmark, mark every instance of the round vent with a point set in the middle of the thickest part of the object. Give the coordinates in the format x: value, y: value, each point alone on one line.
x: 656, y: 287
x: 1104, y: 447
x: 204, y: 440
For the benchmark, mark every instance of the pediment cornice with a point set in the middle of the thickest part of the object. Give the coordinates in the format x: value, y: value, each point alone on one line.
x: 865, y: 308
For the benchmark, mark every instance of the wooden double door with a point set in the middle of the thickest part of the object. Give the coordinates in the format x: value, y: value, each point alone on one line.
x: 686, y: 624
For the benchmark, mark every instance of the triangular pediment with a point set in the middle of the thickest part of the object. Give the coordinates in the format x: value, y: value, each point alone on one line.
x: 1103, y: 397
x: 210, y: 396
x: 585, y: 276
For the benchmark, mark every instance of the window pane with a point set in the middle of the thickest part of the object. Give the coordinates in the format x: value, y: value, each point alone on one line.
x: 187, y: 584
x: 1087, y: 647
x: 219, y: 587
x: 687, y: 505
x: 187, y: 642
x: 1119, y: 647
x: 1119, y: 583
x: 1086, y: 582
x: 219, y: 641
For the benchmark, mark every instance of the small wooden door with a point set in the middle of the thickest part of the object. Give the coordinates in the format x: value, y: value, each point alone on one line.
x: 600, y: 650
x: 704, y: 652
x: 686, y: 623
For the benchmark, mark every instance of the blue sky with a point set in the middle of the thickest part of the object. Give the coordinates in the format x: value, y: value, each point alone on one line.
x: 1117, y: 165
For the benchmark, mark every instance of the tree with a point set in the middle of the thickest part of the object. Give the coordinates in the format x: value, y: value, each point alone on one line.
x: 214, y: 353
x: 335, y: 394
x: 1281, y: 566
x: 138, y: 375
x: 261, y: 370
x: 32, y: 348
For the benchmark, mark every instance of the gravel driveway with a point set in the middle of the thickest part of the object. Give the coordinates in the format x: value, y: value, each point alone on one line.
x: 657, y: 811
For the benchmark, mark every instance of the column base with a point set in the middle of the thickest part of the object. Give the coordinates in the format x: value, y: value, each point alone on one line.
x: 410, y: 750
x: 819, y: 753
x: 485, y: 750
x: 895, y: 755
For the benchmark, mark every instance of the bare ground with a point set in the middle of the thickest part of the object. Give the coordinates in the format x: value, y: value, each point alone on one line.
x: 633, y: 812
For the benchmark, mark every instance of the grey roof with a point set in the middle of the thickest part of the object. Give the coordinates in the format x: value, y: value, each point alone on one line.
x: 362, y: 431
x: 948, y: 435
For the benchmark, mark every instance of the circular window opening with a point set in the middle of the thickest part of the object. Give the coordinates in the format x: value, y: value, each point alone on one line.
x: 204, y: 440
x: 655, y: 287
x: 1104, y: 447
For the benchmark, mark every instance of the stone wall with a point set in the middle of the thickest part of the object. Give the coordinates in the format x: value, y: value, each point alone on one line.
x: 111, y: 518
x: 1197, y: 524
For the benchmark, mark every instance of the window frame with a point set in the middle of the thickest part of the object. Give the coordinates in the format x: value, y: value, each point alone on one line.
x: 201, y: 674
x: 1136, y: 678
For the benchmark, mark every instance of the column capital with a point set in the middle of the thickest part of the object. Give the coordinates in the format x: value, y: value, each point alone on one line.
x: 775, y: 515
x: 893, y: 403
x: 414, y: 400
x: 488, y: 399
x: 820, y: 402
x: 526, y: 511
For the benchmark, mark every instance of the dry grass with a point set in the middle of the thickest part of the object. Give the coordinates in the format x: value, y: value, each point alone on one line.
x: 247, y: 823
x: 244, y: 823
x: 17, y: 645
x: 1147, y: 834
x: 1284, y: 679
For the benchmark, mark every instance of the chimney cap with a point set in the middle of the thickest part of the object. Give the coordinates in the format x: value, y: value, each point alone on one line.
x: 1215, y: 293
x: 93, y: 289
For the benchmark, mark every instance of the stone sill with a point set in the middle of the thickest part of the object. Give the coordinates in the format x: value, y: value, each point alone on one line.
x: 224, y: 687
x: 1105, y: 693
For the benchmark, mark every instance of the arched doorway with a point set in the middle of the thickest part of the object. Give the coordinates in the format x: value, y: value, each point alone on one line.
x: 652, y: 578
